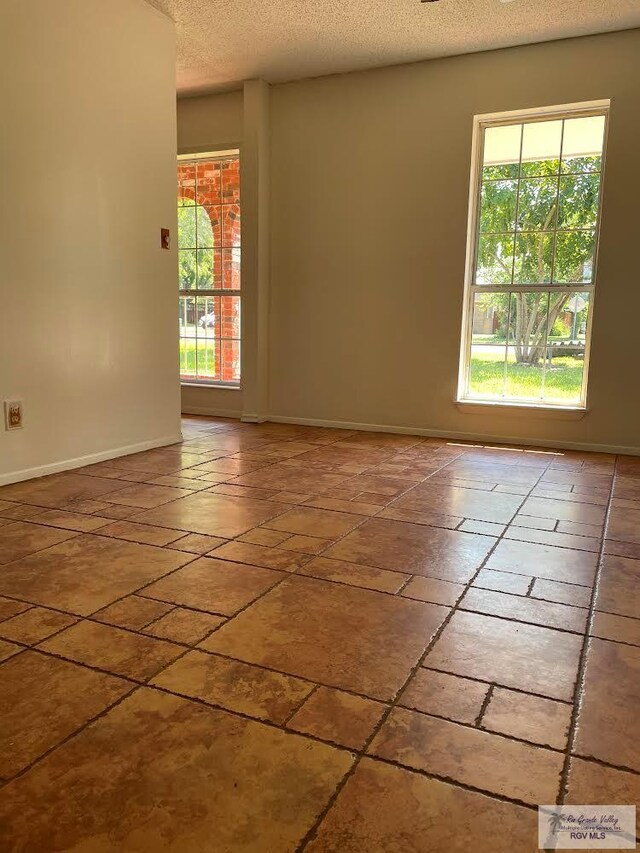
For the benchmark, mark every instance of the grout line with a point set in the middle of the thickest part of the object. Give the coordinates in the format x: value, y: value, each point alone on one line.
x: 485, y: 705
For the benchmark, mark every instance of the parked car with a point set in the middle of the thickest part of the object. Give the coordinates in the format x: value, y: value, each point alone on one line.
x: 207, y: 321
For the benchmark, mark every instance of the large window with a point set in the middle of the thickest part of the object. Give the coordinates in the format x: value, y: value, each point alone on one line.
x: 531, y: 267
x: 209, y: 268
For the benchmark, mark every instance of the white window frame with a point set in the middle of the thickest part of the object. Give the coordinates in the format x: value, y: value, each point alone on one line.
x: 480, y: 123
x: 194, y: 157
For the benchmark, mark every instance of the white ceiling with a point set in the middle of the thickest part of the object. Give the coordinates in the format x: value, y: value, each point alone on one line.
x: 222, y: 42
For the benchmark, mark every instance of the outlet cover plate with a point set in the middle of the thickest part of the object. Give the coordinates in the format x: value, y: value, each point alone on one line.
x: 13, y: 414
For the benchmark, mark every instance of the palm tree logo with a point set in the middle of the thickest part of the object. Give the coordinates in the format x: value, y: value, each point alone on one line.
x: 555, y: 822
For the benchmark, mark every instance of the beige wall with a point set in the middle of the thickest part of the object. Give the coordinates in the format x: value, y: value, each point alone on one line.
x: 370, y: 180
x: 88, y: 304
x: 211, y: 123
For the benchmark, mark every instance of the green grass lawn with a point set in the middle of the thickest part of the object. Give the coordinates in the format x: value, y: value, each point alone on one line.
x: 562, y: 381
x: 206, y: 365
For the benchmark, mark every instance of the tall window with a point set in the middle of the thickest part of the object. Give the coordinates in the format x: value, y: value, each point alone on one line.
x: 209, y: 268
x: 531, y: 269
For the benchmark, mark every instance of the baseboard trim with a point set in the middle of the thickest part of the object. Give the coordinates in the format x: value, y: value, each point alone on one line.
x: 90, y: 459
x: 212, y: 412
x: 460, y: 436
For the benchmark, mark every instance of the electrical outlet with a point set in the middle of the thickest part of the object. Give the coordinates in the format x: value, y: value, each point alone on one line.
x: 13, y: 414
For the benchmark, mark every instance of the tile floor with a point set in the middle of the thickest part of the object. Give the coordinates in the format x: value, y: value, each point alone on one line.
x: 279, y: 638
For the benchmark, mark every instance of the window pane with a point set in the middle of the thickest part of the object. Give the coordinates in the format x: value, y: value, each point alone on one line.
x: 230, y: 316
x: 527, y: 344
x: 501, y: 152
x: 208, y: 268
x: 186, y: 227
x: 534, y: 254
x: 574, y: 256
x: 208, y: 311
x: 208, y: 182
x: 230, y: 356
x: 230, y: 225
x: 541, y: 148
x: 488, y: 343
x: 494, y: 264
x: 187, y: 269
x: 231, y: 269
x: 231, y: 181
x: 187, y: 316
x: 498, y: 206
x: 186, y: 183
x: 537, y: 204
x: 579, y: 198
x: 582, y: 144
x: 568, y: 317
x: 209, y: 227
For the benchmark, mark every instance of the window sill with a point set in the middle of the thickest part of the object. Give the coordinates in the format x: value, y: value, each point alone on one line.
x: 219, y: 385
x: 527, y: 410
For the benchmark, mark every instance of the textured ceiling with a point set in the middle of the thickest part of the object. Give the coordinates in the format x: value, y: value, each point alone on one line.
x: 222, y: 42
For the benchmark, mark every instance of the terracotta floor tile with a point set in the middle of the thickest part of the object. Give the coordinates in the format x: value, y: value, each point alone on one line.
x: 575, y: 478
x: 115, y: 512
x: 487, y: 528
x: 212, y: 514
x: 502, y: 581
x: 532, y: 610
x: 212, y: 585
x: 182, y: 625
x: 429, y: 518
x: 544, y: 561
x: 549, y: 537
x: 624, y: 525
x: 433, y: 590
x: 576, y: 529
x: 608, y: 721
x: 133, y: 612
x: 34, y: 625
x: 7, y: 650
x: 527, y: 657
x: 490, y: 473
x: 199, y: 774
x: 630, y: 550
x: 593, y: 783
x: 42, y: 701
x: 235, y: 686
x: 306, y: 544
x: 386, y: 808
x: 146, y: 496
x: 290, y: 478
x: 197, y: 543
x: 114, y: 649
x: 466, y: 503
x: 531, y: 718
x: 23, y: 512
x: 161, y: 461
x: 258, y: 555
x: 143, y: 533
x: 564, y: 510
x: 71, y: 520
x: 22, y: 538
x: 338, y: 717
x: 444, y: 695
x: 534, y: 522
x: 264, y: 536
x: 486, y: 761
x: 315, y: 522
x: 620, y: 629
x: 563, y: 593
x: 87, y: 572
x: 333, y: 634
x: 58, y: 489
x: 9, y: 608
x: 360, y: 507
x: 367, y: 577
x: 414, y: 549
x: 190, y: 484
x: 619, y: 586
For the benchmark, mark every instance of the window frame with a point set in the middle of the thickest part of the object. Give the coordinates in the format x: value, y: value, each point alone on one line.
x: 480, y: 124
x: 194, y: 156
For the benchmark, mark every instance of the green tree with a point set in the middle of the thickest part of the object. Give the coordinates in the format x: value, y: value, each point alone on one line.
x: 521, y: 218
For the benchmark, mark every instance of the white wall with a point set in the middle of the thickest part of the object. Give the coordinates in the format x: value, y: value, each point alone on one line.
x: 88, y: 305
x: 369, y: 193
